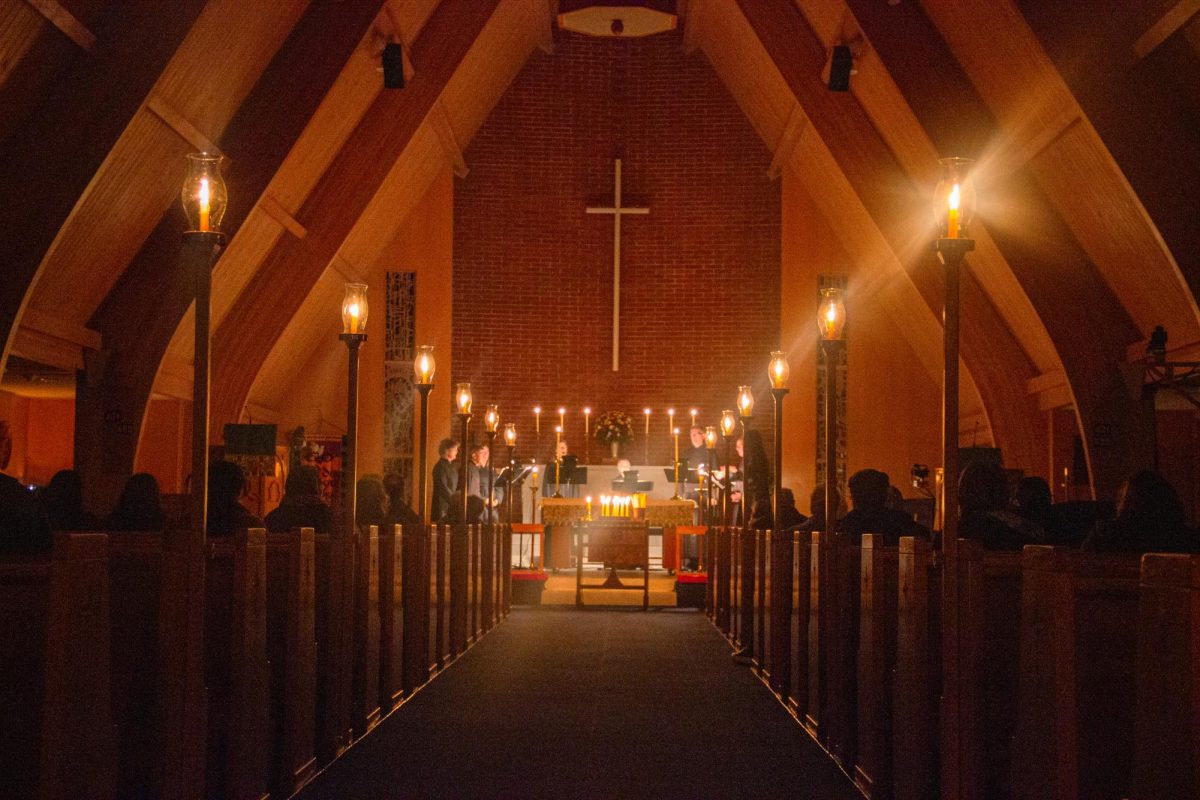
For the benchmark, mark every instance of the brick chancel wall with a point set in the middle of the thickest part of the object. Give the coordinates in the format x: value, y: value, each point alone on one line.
x: 533, y: 271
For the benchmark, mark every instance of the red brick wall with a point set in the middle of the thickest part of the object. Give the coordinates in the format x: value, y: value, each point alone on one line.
x: 533, y: 272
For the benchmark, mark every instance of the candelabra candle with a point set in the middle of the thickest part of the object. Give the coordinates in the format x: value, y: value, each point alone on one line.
x: 694, y: 413
x: 587, y: 435
x: 562, y: 417
x: 670, y: 420
x: 676, y: 434
x: 646, y: 446
x: 537, y: 419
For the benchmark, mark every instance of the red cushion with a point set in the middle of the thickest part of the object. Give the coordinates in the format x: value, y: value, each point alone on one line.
x: 691, y: 577
x: 529, y: 575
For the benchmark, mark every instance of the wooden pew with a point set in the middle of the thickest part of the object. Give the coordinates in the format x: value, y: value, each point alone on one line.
x: 415, y: 541
x: 136, y: 580
x: 487, y: 584
x: 391, y: 617
x: 1167, y: 717
x: 841, y: 649
x: 504, y: 564
x: 748, y: 564
x: 439, y: 607
x: 335, y: 655
x: 879, y: 575
x: 57, y: 738
x: 763, y: 587
x: 815, y: 719
x: 292, y: 653
x: 918, y: 676
x: 1074, y: 734
x: 721, y: 603
x: 236, y: 669
x: 795, y: 677
x: 780, y: 607
x: 365, y: 703
x: 989, y: 645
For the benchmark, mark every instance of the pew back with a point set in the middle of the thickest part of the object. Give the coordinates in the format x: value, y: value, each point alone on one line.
x: 1074, y: 733
x: 292, y: 653
x: 58, y: 740
x: 1167, y: 725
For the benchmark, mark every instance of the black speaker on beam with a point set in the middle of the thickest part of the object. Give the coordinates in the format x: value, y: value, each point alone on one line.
x: 393, y: 66
x: 839, y: 69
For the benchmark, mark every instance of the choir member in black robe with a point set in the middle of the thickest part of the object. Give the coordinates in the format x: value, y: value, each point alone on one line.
x: 445, y: 481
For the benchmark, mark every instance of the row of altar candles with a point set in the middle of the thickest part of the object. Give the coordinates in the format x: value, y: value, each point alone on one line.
x: 619, y: 505
x: 587, y: 419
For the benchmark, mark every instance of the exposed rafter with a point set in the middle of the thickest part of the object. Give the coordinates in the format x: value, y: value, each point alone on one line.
x: 989, y: 348
x: 58, y: 16
x: 278, y: 288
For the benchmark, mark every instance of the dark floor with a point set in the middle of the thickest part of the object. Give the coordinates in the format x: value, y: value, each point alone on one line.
x: 589, y: 704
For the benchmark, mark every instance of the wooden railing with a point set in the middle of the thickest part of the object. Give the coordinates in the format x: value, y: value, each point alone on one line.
x: 1080, y: 673
x: 309, y: 640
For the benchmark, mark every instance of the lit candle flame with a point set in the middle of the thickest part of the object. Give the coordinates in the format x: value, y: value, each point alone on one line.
x: 205, y: 201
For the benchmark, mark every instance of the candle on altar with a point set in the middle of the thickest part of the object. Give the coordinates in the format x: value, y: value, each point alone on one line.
x: 588, y: 500
x: 534, y: 484
x: 205, y: 203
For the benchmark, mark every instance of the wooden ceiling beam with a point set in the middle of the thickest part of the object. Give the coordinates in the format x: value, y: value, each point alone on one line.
x: 181, y: 125
x: 258, y: 318
x: 992, y: 354
x: 50, y: 160
x: 1003, y: 59
x: 787, y: 141
x: 275, y: 210
x: 449, y: 141
x: 1072, y: 303
x: 258, y: 138
x: 58, y: 16
x: 1175, y: 18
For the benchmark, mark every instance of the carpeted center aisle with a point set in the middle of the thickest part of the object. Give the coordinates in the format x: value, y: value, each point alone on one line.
x: 589, y: 704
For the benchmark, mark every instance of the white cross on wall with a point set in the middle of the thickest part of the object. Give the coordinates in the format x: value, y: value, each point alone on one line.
x: 617, y: 210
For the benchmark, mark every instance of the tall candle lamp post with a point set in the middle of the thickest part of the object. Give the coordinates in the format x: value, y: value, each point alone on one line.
x: 745, y: 404
x: 778, y: 371
x: 354, y: 326
x: 462, y: 401
x: 728, y: 426
x: 204, y: 201
x: 831, y: 320
x: 491, y: 420
x: 424, y: 367
x: 510, y: 441
x: 953, y: 208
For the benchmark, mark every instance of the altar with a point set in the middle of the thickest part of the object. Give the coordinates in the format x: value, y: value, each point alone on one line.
x: 559, y: 514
